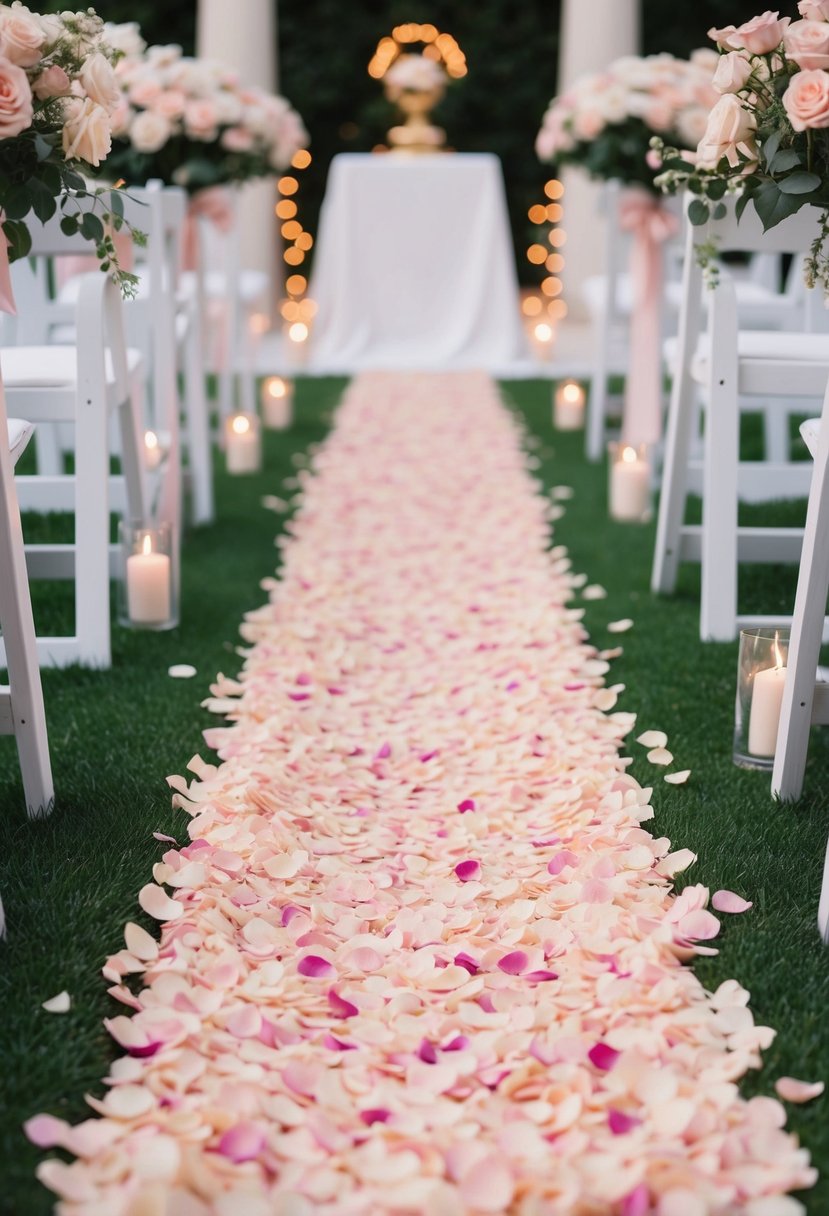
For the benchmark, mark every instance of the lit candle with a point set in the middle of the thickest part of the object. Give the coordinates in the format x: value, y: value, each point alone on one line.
x: 766, y: 701
x: 148, y: 585
x: 243, y: 447
x: 543, y: 334
x: 152, y: 450
x: 568, y: 409
x: 630, y: 485
x: 277, y: 403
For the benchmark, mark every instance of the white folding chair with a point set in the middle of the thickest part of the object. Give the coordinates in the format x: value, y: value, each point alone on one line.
x: 86, y: 385
x: 730, y: 367
x: 21, y: 700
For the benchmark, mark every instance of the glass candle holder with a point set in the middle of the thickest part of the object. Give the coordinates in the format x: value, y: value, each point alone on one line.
x: 243, y: 443
x: 629, y: 489
x: 148, y: 587
x: 568, y: 406
x: 761, y: 678
x: 277, y: 398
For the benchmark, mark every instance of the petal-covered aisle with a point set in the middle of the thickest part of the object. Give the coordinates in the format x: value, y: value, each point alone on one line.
x: 421, y: 956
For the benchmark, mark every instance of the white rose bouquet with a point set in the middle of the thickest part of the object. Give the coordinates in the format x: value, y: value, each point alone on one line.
x: 768, y: 134
x: 414, y: 74
x: 606, y: 121
x: 58, y: 91
x: 190, y: 123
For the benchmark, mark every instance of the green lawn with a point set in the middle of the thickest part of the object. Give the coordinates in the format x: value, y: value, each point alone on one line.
x: 70, y: 883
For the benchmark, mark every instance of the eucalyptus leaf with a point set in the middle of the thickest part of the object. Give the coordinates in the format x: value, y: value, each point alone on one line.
x: 698, y: 213
x: 799, y: 183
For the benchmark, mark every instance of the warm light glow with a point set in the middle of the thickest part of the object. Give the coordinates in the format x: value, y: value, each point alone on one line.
x: 150, y: 440
x: 555, y: 263
x: 290, y: 310
x: 308, y: 308
x: 629, y: 455
x: 295, y: 284
x: 778, y: 656
x: 557, y: 238
x: 298, y: 331
x: 275, y: 387
x: 294, y: 256
x: 557, y: 309
x: 302, y: 159
x: 285, y: 209
x: 555, y: 287
x: 543, y: 332
x: 147, y: 546
x: 437, y: 47
x: 291, y: 229
x: 304, y: 241
x: 554, y: 212
x: 287, y: 185
x: 537, y: 214
x: 240, y: 424
x: 572, y: 392
x: 531, y: 306
x: 260, y: 323
x: 537, y: 254
x: 553, y: 189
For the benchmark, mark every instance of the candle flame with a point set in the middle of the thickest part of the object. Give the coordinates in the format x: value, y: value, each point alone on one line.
x: 572, y: 392
x: 147, y: 546
x: 150, y: 440
x: 275, y: 386
x: 778, y: 656
x: 543, y: 332
x: 298, y: 332
x: 628, y: 455
x: 240, y: 425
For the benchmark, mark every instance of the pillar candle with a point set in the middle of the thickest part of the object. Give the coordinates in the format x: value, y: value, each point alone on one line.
x: 764, y: 718
x: 243, y: 446
x: 148, y: 586
x: 568, y: 409
x: 630, y: 486
x: 277, y: 403
x: 152, y: 450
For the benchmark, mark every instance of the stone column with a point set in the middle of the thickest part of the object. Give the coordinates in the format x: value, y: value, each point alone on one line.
x: 243, y: 35
x: 592, y: 36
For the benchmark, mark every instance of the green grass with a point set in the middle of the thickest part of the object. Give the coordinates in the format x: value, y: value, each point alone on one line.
x: 70, y: 883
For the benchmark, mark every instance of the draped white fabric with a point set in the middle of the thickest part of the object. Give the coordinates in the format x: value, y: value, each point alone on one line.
x: 414, y: 266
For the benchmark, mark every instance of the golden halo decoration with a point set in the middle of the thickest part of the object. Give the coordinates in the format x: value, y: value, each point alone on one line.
x: 442, y: 48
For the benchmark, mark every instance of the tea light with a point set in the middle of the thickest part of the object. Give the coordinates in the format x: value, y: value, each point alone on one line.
x: 630, y: 483
x: 152, y: 450
x: 766, y: 702
x: 243, y: 447
x: 148, y: 585
x: 568, y: 408
x: 277, y: 403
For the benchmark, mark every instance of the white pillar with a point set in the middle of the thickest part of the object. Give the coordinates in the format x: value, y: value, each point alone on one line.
x: 243, y: 36
x: 592, y: 36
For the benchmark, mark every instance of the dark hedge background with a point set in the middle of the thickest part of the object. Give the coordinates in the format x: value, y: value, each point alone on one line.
x: 511, y: 49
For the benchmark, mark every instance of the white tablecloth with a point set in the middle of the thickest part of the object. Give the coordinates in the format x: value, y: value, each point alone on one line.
x: 414, y: 267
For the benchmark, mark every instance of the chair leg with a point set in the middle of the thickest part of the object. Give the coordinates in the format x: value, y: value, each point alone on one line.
x: 718, y: 606
x: 92, y: 622
x: 679, y: 437
x: 597, y: 401
x: 776, y: 433
x: 198, y: 429
x: 48, y: 450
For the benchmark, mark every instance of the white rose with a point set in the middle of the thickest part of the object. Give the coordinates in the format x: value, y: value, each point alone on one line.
x: 87, y: 134
x: 99, y: 83
x: 126, y: 38
x: 731, y: 130
x: 150, y: 131
x: 733, y: 71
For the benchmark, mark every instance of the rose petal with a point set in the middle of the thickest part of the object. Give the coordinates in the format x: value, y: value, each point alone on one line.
x: 660, y: 755
x: 157, y: 903
x: 243, y: 1142
x: 677, y: 778
x: 603, y: 1056
x: 315, y: 967
x: 653, y: 738
x: 792, y: 1090
x: 620, y: 626
x: 468, y: 870
x: 61, y: 1003
x: 728, y: 901
x: 181, y: 671
x: 514, y: 963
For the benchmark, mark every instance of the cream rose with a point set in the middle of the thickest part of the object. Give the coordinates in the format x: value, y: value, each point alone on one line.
x: 200, y: 120
x: 170, y: 103
x: 806, y: 100
x: 814, y: 10
x: 144, y: 92
x: 807, y: 43
x: 237, y: 139
x: 87, y: 133
x: 15, y: 100
x: 21, y: 37
x: 52, y: 82
x: 733, y: 71
x: 99, y: 83
x: 721, y: 37
x: 150, y: 131
x: 730, y: 131
x: 761, y: 34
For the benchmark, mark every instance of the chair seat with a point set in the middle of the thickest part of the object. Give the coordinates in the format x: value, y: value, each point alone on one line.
x: 751, y: 297
x: 773, y: 362
x: 253, y: 285
x: 52, y: 366
x: 20, y: 433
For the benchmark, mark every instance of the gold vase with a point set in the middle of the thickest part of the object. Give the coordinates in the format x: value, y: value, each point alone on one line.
x: 417, y: 134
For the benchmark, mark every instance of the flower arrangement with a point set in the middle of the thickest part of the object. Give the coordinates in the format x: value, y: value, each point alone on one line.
x: 768, y: 134
x: 606, y: 121
x: 190, y: 123
x: 414, y: 73
x: 58, y: 92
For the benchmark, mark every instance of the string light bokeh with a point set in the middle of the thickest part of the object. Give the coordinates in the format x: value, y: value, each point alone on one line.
x: 545, y: 308
x: 297, y: 309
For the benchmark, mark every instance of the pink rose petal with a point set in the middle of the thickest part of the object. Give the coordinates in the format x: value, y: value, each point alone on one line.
x: 792, y: 1090
x: 727, y: 901
x: 340, y: 1006
x: 514, y: 963
x: 468, y: 870
x: 468, y: 804
x: 603, y: 1056
x: 315, y: 967
x: 243, y: 1142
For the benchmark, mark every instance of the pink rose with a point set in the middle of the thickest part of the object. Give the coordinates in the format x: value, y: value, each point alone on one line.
x: 21, y: 37
x: 733, y: 71
x: 99, y: 83
x: 121, y: 117
x: 150, y: 131
x: 814, y: 10
x: 761, y: 34
x: 144, y: 92
x: 170, y: 103
x: 237, y: 139
x: 731, y: 130
x: 807, y: 43
x: 15, y: 100
x: 87, y: 133
x: 52, y: 82
x: 200, y: 120
x: 806, y: 100
x: 722, y: 36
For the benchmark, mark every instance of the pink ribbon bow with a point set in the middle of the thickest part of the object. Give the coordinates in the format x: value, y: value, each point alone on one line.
x: 211, y: 204
x: 650, y: 224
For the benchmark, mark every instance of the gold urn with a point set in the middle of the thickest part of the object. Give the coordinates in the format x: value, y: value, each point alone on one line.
x: 415, y: 85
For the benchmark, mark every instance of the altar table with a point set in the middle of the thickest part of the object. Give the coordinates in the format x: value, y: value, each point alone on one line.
x: 414, y: 266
